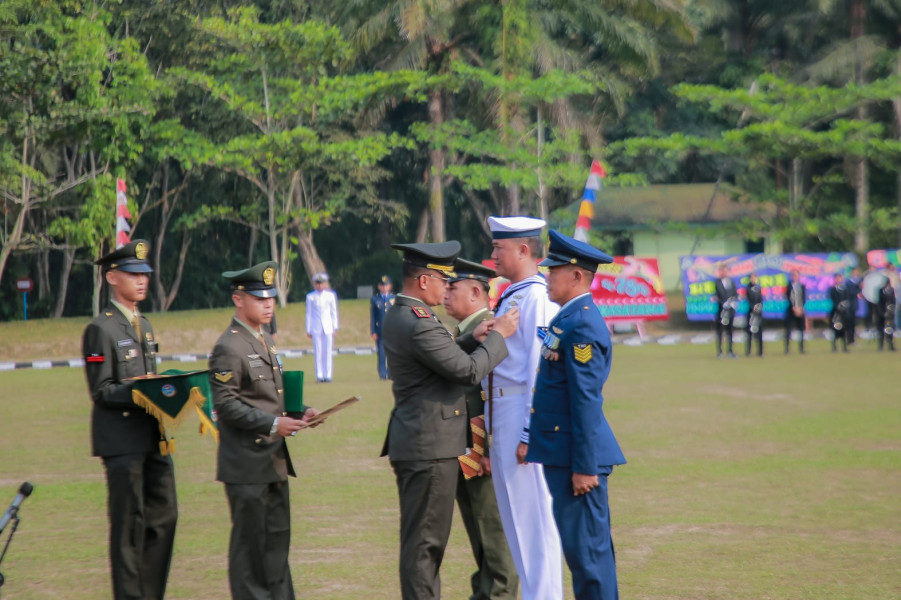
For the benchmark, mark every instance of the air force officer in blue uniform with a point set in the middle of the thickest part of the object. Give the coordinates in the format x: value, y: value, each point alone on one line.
x: 378, y: 308
x: 568, y: 432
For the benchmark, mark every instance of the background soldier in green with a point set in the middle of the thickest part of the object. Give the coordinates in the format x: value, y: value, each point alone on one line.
x: 427, y: 430
x: 253, y: 460
x: 142, y: 506
x: 466, y: 300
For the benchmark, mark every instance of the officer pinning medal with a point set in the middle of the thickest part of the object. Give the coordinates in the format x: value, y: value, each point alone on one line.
x: 431, y: 374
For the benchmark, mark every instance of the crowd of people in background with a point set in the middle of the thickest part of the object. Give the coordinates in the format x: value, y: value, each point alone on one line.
x: 846, y: 296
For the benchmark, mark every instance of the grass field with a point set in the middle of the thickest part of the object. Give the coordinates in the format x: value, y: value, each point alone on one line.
x: 747, y: 479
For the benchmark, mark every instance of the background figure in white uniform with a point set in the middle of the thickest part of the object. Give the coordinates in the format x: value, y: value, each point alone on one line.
x: 322, y: 323
x: 522, y: 492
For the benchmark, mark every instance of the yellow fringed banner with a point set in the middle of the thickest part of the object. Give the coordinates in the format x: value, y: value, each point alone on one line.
x: 168, y: 396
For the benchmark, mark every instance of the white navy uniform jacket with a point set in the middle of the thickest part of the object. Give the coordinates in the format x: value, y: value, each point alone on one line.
x: 520, y: 367
x: 322, y: 312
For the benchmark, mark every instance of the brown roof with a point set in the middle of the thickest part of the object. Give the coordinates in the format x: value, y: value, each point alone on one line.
x: 650, y: 206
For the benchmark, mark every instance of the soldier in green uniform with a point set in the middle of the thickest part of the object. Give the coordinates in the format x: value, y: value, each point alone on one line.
x: 117, y: 346
x: 427, y: 429
x: 466, y: 300
x: 253, y: 460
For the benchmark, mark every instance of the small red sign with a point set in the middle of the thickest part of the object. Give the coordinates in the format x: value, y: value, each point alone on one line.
x: 24, y: 284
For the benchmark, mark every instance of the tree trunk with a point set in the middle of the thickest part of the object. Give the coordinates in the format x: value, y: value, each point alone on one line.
x: 13, y: 240
x: 309, y: 256
x: 896, y: 106
x: 861, y: 171
x: 250, y: 246
x: 862, y: 206
x: 437, y: 162
x: 68, y: 259
x: 168, y: 299
x: 795, y: 191
x: 422, y: 228
x: 98, y: 285
x: 542, y: 188
x: 43, y: 273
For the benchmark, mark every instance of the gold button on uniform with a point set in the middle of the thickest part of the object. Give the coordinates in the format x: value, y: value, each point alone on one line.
x: 258, y: 441
x: 556, y: 428
x: 126, y: 414
x: 532, y: 410
x: 456, y: 413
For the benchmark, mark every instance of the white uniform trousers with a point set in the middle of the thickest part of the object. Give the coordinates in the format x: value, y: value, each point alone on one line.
x: 525, y: 505
x: 322, y: 352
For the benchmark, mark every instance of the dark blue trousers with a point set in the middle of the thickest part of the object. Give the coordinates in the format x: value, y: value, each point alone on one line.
x: 584, y: 525
x: 383, y: 359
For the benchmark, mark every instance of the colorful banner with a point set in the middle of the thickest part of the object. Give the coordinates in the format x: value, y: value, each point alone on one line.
x: 816, y: 270
x: 630, y: 289
x: 880, y: 259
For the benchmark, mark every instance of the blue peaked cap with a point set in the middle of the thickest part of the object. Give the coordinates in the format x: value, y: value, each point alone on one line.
x: 565, y: 250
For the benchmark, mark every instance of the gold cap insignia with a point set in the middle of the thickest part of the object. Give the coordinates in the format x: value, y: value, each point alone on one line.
x: 141, y: 251
x: 269, y: 276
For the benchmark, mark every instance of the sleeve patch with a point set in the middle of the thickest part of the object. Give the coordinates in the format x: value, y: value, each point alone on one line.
x: 582, y: 352
x: 94, y: 358
x: 421, y: 312
x: 223, y: 376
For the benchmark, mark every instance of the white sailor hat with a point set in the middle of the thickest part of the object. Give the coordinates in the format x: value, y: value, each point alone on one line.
x: 514, y: 227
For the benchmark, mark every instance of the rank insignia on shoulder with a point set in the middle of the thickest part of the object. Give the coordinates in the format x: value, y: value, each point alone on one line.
x: 223, y: 376
x: 109, y: 314
x: 421, y: 312
x: 557, y: 330
x: 582, y: 352
x: 94, y: 358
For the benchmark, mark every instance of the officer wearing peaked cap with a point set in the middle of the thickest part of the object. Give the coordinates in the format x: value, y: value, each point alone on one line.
x: 569, y: 434
x: 466, y: 300
x: 253, y: 460
x: 379, y: 304
x: 118, y: 345
x: 427, y: 428
x: 321, y: 310
x: 522, y: 494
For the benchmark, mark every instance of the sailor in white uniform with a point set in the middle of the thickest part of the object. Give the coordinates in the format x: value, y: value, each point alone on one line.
x: 522, y: 492
x: 322, y: 323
